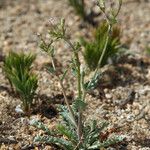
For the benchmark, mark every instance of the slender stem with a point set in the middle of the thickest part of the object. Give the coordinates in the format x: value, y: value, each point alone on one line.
x: 104, y: 50
x: 84, y: 95
x: 80, y: 125
x: 67, y: 102
x: 80, y: 97
x: 120, y: 4
x: 77, y: 145
x: 108, y: 33
x: 53, y: 64
x: 79, y: 80
x: 105, y: 47
x: 77, y: 63
x: 83, y: 89
x: 65, y: 95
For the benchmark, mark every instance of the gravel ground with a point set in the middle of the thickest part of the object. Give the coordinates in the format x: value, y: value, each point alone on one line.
x: 123, y: 100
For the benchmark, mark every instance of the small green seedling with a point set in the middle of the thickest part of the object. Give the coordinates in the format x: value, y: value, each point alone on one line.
x: 17, y: 68
x: 93, y: 50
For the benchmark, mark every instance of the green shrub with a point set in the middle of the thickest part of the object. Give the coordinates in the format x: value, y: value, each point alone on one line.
x: 17, y: 68
x: 79, y: 7
x: 93, y: 50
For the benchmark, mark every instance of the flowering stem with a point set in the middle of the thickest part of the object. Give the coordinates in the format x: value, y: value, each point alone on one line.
x: 65, y: 95
x: 104, y: 50
x: 77, y: 63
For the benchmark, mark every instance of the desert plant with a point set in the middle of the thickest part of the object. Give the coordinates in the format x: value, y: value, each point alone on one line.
x: 79, y: 7
x: 92, y: 136
x: 74, y: 133
x: 17, y: 68
x: 93, y: 49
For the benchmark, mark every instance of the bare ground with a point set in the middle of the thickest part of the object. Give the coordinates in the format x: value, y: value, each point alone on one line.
x: 122, y: 97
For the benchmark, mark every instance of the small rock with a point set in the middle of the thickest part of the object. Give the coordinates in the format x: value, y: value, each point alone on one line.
x: 136, y: 95
x: 8, y: 42
x: 130, y: 118
x: 148, y: 74
x: 118, y: 112
x: 4, y: 93
x: 136, y: 111
x: 11, y: 138
x: 106, y: 90
x: 108, y: 96
x: 144, y: 90
x: 121, y: 116
x: 19, y: 110
x: 47, y: 147
x: 135, y: 105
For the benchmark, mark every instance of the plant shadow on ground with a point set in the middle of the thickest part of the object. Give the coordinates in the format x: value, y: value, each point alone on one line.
x: 2, y: 58
x: 143, y: 142
x: 46, y: 110
x: 46, y: 106
x: 122, y: 73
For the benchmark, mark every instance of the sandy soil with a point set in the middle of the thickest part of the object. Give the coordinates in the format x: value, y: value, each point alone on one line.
x: 122, y: 97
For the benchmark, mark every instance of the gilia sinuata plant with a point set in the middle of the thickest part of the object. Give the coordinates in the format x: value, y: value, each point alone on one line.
x: 74, y: 133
